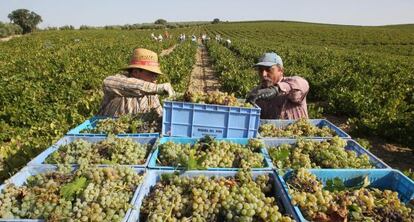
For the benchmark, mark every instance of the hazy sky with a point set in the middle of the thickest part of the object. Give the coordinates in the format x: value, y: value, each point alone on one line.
x: 111, y: 12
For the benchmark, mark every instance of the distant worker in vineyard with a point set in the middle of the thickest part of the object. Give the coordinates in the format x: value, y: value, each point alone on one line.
x: 228, y: 42
x: 278, y: 96
x: 135, y: 90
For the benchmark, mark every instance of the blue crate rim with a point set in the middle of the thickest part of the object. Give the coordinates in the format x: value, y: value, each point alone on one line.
x: 215, y: 105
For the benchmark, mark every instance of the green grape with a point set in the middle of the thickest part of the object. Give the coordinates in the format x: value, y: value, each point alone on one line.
x: 300, y: 128
x: 104, y: 195
x: 315, y: 154
x: 356, y: 204
x: 212, y: 154
x: 109, y: 151
x: 215, y: 97
x: 148, y: 122
x: 238, y: 198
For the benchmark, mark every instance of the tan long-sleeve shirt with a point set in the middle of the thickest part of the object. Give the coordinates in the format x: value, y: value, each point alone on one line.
x: 290, y: 104
x: 124, y: 95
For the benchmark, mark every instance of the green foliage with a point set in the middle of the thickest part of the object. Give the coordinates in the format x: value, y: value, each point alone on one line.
x: 26, y: 19
x: 67, y: 27
x: 235, y: 75
x: 70, y: 190
x: 160, y: 22
x: 335, y: 184
x: 178, y: 65
x: 364, y: 143
x: 365, y: 73
x: 8, y: 29
x: 215, y: 21
x: 409, y: 173
x: 52, y: 81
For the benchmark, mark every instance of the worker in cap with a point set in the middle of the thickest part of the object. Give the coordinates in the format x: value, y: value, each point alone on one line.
x: 135, y: 89
x: 279, y: 97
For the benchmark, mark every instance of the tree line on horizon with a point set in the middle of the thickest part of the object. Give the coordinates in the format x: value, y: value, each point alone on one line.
x: 23, y: 21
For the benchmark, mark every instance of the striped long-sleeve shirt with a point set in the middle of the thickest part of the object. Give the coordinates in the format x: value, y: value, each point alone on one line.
x: 124, y: 95
x: 290, y: 104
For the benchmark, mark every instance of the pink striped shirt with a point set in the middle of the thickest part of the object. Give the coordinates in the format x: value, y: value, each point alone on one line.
x: 290, y: 104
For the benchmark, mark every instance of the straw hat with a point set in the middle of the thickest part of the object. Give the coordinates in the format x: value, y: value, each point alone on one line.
x: 144, y: 59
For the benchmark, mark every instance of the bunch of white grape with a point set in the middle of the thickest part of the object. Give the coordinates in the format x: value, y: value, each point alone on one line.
x: 94, y: 194
x: 109, y: 151
x: 148, y: 122
x: 345, y: 204
x: 300, y: 128
x: 212, y: 153
x: 215, y: 97
x: 239, y: 198
x: 317, y: 154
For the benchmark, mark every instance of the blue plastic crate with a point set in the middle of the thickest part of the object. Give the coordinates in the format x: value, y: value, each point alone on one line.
x: 38, y: 160
x: 281, y: 123
x: 153, y: 176
x: 91, y: 124
x: 379, y: 178
x: 20, y: 178
x: 152, y: 164
x: 351, y: 145
x: 197, y: 120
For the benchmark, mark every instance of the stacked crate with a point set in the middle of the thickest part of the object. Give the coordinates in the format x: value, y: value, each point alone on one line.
x: 185, y: 123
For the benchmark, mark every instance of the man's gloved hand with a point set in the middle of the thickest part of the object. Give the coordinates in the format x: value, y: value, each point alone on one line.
x: 266, y: 93
x: 165, y: 88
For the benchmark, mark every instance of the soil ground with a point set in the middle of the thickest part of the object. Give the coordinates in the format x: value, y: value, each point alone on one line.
x: 8, y: 38
x: 167, y: 51
x: 203, y: 77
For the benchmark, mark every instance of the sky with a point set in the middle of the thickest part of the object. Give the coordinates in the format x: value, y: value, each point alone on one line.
x: 110, y: 12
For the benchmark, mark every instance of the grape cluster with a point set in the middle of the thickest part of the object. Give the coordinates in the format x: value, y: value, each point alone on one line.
x: 409, y: 173
x: 314, y: 154
x: 148, y: 122
x: 212, y: 153
x: 300, y: 128
x: 94, y: 194
x: 215, y: 97
x: 109, y: 151
x: 359, y: 204
x: 239, y: 198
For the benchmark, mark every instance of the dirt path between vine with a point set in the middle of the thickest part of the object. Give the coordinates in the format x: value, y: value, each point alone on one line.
x: 8, y: 38
x: 396, y: 156
x: 167, y: 51
x: 203, y: 77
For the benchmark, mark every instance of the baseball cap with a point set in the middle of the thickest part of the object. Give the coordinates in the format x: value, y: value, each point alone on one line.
x: 269, y: 59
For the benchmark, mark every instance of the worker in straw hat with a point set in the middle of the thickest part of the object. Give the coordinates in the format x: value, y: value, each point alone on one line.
x: 278, y: 96
x: 135, y: 91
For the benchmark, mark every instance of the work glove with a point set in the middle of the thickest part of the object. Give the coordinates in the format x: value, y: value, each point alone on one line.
x: 165, y: 88
x: 266, y: 93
